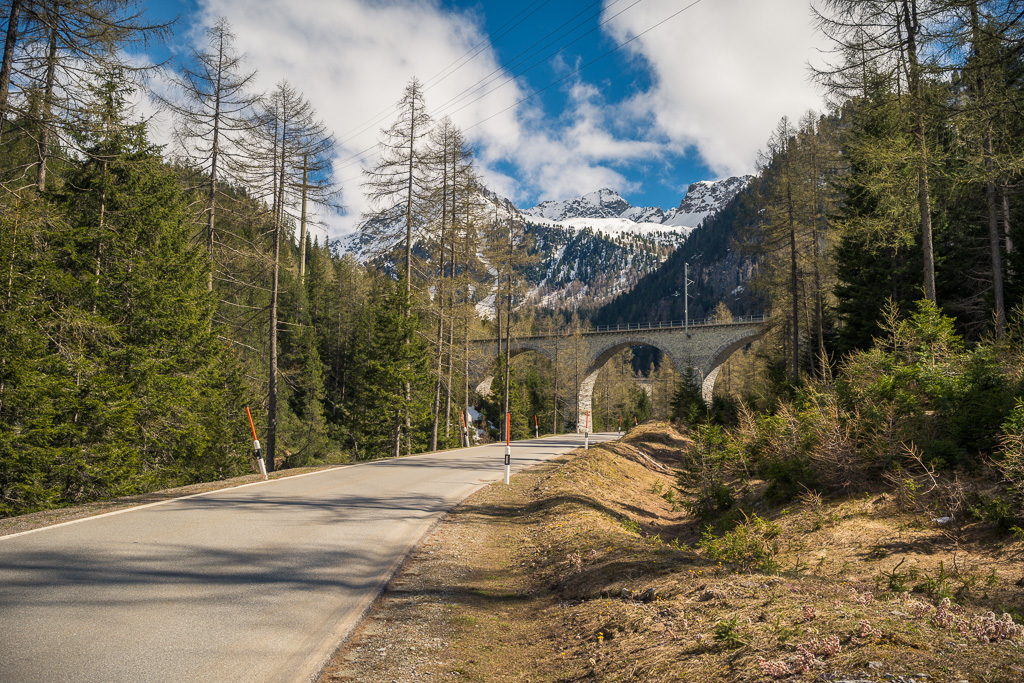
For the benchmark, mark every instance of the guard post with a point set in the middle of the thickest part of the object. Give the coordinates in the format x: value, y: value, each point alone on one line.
x: 508, y: 446
x: 256, y: 446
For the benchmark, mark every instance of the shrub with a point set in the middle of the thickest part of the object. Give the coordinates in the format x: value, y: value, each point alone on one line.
x: 709, y: 457
x: 751, y: 546
x: 1011, y: 462
x: 787, y: 480
x: 920, y: 384
x: 727, y: 632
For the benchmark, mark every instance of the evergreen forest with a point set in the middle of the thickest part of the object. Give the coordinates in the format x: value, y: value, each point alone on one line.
x: 152, y: 294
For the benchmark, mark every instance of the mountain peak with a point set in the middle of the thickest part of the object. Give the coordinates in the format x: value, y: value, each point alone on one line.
x: 704, y: 198
x: 604, y: 203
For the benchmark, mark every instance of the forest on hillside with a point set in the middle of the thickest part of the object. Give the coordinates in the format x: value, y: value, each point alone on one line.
x: 151, y: 294
x: 908, y: 186
x: 885, y: 239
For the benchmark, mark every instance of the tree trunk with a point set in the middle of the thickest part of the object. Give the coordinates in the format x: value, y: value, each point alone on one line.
x: 211, y: 199
x: 272, y: 384
x: 994, y: 246
x: 408, y: 266
x: 465, y: 376
x: 99, y: 240
x: 275, y: 285
x: 302, y: 222
x: 1006, y: 219
x: 554, y: 402
x: 440, y: 357
x: 793, y: 275
x: 508, y: 344
x: 923, y: 192
x: 43, y: 146
x: 14, y: 253
x: 991, y: 204
x: 8, y: 59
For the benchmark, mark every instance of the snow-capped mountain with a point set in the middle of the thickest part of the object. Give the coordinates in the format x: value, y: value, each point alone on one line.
x: 590, y: 248
x: 604, y: 203
x: 701, y: 200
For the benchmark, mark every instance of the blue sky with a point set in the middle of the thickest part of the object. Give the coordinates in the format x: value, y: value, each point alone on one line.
x: 693, y: 98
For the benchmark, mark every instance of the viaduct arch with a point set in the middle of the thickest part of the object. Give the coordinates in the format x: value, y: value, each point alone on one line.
x: 704, y: 346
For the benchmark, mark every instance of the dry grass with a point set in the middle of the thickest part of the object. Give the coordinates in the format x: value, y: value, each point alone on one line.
x: 586, y: 570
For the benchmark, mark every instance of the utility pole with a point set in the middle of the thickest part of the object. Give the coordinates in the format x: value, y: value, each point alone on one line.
x: 686, y: 298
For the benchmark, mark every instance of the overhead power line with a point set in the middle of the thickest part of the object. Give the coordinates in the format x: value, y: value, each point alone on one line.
x: 466, y: 57
x: 446, y: 107
x: 584, y: 66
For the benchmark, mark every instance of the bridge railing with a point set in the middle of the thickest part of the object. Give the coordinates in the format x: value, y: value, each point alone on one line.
x: 661, y: 325
x: 672, y: 324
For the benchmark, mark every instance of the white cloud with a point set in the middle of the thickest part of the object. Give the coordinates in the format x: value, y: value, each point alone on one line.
x: 725, y: 72
x: 353, y: 58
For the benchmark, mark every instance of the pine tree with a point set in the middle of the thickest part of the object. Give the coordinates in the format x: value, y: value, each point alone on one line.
x: 890, y: 39
x: 395, y: 187
x: 212, y: 116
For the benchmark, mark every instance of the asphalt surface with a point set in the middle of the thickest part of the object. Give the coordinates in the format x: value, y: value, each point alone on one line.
x: 254, y: 583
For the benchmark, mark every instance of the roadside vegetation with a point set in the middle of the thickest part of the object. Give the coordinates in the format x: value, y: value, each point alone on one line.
x: 864, y: 526
x: 627, y: 562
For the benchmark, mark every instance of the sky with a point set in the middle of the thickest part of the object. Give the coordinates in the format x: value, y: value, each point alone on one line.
x: 557, y: 97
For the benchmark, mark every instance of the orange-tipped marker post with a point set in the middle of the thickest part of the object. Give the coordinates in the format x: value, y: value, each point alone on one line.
x: 256, y: 445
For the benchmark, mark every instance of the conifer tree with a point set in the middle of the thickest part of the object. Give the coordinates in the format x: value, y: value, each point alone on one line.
x: 395, y: 188
x: 288, y: 134
x: 213, y: 115
x: 80, y: 42
x: 891, y: 39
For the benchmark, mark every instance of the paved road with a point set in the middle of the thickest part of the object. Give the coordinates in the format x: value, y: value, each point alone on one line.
x: 255, y: 583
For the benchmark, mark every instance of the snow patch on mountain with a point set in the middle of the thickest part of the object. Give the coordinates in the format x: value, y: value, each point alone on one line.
x: 604, y: 203
x: 701, y: 200
x: 590, y: 248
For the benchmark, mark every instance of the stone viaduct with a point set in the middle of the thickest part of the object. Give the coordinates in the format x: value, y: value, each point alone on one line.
x: 703, y: 346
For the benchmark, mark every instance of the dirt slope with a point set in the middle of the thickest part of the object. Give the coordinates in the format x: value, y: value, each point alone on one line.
x: 588, y: 569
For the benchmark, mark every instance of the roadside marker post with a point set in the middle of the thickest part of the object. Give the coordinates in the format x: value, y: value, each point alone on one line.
x: 508, y: 446
x: 586, y: 433
x: 465, y: 429
x: 620, y: 425
x: 256, y: 445
x: 536, y: 428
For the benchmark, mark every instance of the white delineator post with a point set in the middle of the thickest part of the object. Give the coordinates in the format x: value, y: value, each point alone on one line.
x: 586, y: 433
x: 256, y: 445
x: 508, y: 446
x: 536, y: 428
x: 620, y: 425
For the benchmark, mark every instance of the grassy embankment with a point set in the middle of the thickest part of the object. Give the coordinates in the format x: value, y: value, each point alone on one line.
x: 608, y: 565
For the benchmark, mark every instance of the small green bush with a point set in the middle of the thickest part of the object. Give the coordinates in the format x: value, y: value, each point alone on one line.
x: 787, y: 479
x: 1001, y: 510
x: 727, y: 632
x: 751, y: 546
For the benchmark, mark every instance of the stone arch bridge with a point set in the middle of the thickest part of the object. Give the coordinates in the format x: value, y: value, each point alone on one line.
x: 704, y: 346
